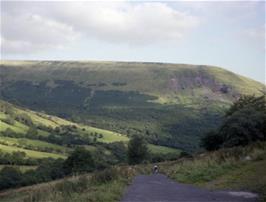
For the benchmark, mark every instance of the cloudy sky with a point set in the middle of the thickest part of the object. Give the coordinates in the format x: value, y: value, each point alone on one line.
x: 227, y: 34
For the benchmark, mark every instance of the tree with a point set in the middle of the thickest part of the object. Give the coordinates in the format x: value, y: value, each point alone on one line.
x: 119, y: 150
x: 137, y: 150
x: 79, y: 161
x: 212, y: 141
x: 257, y: 103
x: 10, y: 177
x: 50, y: 169
x: 243, y: 127
x: 245, y: 122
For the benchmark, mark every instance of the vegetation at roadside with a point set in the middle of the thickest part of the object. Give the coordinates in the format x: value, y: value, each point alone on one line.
x: 222, y: 169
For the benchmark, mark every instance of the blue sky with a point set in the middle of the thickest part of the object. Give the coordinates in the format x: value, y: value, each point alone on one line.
x: 230, y: 34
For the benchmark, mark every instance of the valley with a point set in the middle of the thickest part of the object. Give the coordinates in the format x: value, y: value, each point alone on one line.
x: 27, y: 137
x: 159, y: 101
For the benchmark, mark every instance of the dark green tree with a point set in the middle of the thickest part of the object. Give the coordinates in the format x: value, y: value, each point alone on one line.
x: 137, y: 150
x: 244, y: 122
x: 243, y: 127
x: 212, y: 141
x: 79, y: 161
x: 248, y: 101
x: 10, y: 177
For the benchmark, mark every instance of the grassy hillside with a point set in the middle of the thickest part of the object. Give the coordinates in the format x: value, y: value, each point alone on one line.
x: 33, y: 133
x: 227, y: 169
x: 157, y: 100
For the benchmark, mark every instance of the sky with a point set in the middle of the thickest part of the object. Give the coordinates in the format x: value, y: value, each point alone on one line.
x: 229, y: 34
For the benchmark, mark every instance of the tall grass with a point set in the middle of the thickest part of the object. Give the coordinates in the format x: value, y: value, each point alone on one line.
x: 107, y: 185
x: 209, y: 166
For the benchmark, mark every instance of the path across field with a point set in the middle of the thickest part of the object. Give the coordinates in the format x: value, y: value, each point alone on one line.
x: 159, y: 188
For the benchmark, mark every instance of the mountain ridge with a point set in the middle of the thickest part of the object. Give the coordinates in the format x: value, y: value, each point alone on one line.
x: 157, y: 100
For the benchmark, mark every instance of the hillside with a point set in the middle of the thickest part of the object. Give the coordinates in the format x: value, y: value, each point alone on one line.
x: 157, y: 100
x: 39, y: 136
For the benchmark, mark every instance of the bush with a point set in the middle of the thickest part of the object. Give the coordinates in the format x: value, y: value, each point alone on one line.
x: 104, y: 176
x: 79, y: 161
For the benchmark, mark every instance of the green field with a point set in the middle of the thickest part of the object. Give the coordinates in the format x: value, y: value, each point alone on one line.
x: 108, y: 136
x: 20, y: 142
x: 37, y: 148
x: 162, y: 149
x: 30, y: 153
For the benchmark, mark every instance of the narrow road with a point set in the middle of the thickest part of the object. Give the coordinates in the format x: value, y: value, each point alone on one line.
x: 159, y: 188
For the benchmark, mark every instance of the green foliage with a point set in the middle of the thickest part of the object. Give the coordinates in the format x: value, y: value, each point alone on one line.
x: 9, y: 132
x: 32, y: 131
x: 243, y: 127
x: 9, y: 120
x: 119, y: 150
x: 105, y: 176
x: 212, y: 141
x: 10, y: 177
x: 24, y: 118
x: 248, y: 101
x: 16, y: 158
x: 79, y: 161
x: 49, y: 169
x: 245, y: 122
x: 137, y: 150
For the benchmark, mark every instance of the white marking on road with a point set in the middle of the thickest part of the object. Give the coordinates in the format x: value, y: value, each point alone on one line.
x: 243, y: 194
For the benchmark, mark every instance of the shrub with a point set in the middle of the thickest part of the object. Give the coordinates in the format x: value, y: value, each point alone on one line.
x: 104, y: 176
x: 79, y: 161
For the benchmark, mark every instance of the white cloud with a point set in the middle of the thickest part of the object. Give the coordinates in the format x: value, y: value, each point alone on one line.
x: 30, y: 32
x: 38, y: 26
